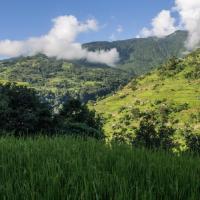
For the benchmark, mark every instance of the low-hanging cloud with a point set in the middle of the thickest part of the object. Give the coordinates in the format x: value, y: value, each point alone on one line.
x: 189, y: 19
x: 60, y: 42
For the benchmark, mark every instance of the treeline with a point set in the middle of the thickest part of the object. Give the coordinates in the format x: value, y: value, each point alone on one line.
x: 24, y: 113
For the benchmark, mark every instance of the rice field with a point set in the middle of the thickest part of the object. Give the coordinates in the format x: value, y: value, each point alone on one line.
x: 69, y: 168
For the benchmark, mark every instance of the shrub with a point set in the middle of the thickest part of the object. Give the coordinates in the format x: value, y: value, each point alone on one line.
x: 146, y: 134
x: 136, y: 112
x: 154, y: 134
x: 133, y: 85
x: 192, y: 140
x: 23, y: 112
x: 73, y: 113
x: 81, y: 130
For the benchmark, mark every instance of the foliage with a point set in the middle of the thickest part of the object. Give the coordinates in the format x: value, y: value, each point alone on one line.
x: 22, y: 111
x: 153, y: 133
x: 77, y: 119
x: 173, y: 99
x: 68, y: 168
x: 192, y: 140
x: 144, y: 54
x: 133, y: 84
x: 58, y: 80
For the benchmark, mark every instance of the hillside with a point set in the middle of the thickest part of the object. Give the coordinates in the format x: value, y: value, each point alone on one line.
x: 143, y: 54
x: 171, y: 92
x: 57, y: 79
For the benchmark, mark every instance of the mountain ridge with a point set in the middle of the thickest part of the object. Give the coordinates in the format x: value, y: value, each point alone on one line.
x: 143, y: 54
x: 59, y: 79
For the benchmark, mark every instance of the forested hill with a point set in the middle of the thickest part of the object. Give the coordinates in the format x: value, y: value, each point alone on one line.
x: 168, y: 96
x: 59, y: 79
x: 143, y: 54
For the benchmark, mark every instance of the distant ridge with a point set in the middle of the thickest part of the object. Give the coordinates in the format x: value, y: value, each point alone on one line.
x: 143, y: 54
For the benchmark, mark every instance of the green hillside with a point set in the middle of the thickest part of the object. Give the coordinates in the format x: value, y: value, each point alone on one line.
x: 143, y: 54
x: 57, y: 79
x: 171, y: 92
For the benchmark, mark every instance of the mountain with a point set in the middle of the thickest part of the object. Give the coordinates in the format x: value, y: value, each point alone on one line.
x: 170, y: 93
x: 58, y: 79
x: 143, y: 54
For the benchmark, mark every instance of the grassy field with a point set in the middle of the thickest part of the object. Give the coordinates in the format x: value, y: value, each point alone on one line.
x: 67, y: 168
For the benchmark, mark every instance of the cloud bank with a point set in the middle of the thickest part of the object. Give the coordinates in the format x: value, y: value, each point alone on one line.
x: 189, y: 11
x: 60, y: 42
x: 189, y: 19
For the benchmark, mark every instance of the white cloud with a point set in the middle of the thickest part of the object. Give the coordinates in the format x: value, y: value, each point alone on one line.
x: 60, y: 42
x: 106, y: 56
x: 162, y: 25
x: 120, y: 29
x: 115, y: 35
x: 189, y: 11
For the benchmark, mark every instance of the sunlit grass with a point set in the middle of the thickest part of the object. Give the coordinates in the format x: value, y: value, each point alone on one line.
x: 67, y: 168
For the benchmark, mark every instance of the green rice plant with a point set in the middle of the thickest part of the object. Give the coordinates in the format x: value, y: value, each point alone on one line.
x: 69, y: 168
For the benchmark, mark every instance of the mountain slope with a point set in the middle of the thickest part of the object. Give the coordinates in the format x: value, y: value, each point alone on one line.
x: 172, y: 91
x: 143, y: 54
x: 57, y: 79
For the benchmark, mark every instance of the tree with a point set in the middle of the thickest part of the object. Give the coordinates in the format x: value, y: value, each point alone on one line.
x: 146, y: 134
x: 22, y: 111
x: 77, y: 117
x: 153, y: 133
x: 192, y: 139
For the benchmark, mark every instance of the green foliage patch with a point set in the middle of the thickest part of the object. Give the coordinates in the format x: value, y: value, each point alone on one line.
x: 68, y: 168
x: 166, y: 93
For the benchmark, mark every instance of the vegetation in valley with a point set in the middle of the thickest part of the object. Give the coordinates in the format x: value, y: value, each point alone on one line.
x: 24, y: 113
x: 58, y: 80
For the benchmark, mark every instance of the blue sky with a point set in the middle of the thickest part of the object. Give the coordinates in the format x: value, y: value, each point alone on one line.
x: 27, y: 26
x: 21, y: 19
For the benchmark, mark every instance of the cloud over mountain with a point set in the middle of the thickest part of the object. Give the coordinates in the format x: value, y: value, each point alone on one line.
x: 189, y: 11
x: 189, y: 19
x: 163, y: 24
x: 60, y: 42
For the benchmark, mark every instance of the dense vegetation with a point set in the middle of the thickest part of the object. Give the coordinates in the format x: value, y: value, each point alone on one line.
x: 24, y: 112
x: 160, y: 108
x: 48, y: 153
x: 67, y: 168
x: 58, y: 80
x: 143, y: 54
